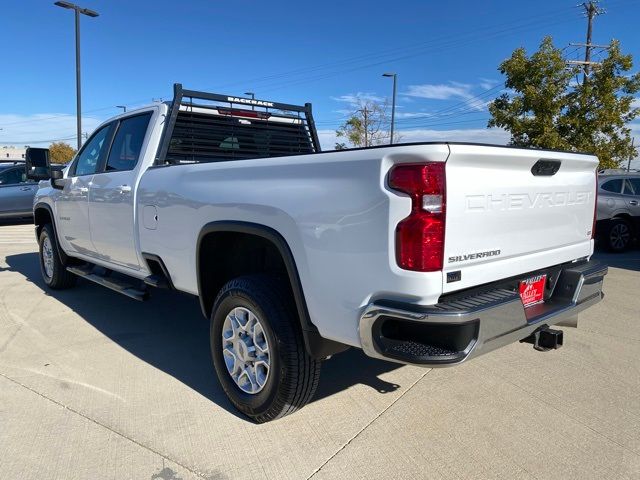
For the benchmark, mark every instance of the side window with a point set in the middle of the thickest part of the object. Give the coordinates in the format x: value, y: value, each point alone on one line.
x: 632, y: 186
x: 614, y: 186
x: 11, y: 177
x: 125, y: 150
x: 91, y: 153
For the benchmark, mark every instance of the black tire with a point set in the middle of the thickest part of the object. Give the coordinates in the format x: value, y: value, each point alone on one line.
x: 619, y: 235
x: 59, y: 278
x: 293, y: 374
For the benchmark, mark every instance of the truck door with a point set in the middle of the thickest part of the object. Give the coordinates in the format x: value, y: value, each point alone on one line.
x: 112, y: 194
x: 72, y: 205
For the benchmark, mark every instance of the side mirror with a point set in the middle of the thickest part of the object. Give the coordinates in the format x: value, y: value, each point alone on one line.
x: 37, y: 165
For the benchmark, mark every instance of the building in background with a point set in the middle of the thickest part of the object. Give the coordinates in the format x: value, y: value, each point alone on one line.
x: 10, y: 152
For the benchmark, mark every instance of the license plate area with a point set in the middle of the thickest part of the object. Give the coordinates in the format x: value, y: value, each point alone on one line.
x: 532, y: 290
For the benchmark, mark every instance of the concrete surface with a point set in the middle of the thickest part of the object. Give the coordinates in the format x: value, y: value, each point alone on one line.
x: 94, y: 385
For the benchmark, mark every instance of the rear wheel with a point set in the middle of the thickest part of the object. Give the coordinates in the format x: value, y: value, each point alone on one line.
x: 258, y: 349
x: 54, y: 273
x: 619, y: 235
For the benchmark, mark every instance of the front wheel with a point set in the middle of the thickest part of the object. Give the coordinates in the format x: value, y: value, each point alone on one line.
x: 258, y: 349
x: 54, y: 273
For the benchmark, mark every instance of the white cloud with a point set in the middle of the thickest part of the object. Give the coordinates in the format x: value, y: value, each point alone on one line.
x: 635, y: 132
x: 439, y: 91
x: 452, y: 90
x: 328, y: 139
x: 476, y: 135
x: 487, y: 83
x: 354, y: 99
x: 40, y: 129
x: 413, y: 115
x: 635, y: 103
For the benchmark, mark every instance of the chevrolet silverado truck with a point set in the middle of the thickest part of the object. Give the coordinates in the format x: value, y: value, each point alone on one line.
x: 427, y: 253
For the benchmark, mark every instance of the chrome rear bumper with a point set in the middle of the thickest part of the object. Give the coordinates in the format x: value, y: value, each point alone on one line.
x: 454, y: 331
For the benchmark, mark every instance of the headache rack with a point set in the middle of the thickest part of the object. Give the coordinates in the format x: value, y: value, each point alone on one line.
x: 207, y: 127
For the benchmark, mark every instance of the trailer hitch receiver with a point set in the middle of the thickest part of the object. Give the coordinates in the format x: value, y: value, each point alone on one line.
x: 545, y: 339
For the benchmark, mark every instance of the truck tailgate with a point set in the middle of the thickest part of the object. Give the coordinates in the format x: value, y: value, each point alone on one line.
x: 503, y: 220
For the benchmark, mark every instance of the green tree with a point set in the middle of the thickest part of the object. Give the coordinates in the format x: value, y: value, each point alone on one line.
x: 366, y: 125
x: 61, y: 152
x: 545, y: 107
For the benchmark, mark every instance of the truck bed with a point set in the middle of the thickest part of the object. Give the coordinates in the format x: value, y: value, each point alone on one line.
x: 338, y: 214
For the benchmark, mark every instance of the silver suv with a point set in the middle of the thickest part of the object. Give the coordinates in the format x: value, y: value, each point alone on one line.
x: 618, y: 216
x: 16, y: 191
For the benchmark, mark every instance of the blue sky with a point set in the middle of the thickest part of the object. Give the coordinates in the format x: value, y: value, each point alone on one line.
x: 445, y: 54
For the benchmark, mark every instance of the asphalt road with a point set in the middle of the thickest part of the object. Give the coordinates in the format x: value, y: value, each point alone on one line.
x: 94, y: 385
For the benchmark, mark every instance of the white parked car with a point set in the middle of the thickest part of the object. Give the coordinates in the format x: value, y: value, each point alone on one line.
x: 428, y: 253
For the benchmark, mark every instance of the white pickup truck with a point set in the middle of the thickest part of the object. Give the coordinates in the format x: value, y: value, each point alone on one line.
x: 426, y: 254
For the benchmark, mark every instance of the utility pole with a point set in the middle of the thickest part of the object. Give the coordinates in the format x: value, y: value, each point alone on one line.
x: 633, y: 141
x: 366, y: 127
x: 591, y: 11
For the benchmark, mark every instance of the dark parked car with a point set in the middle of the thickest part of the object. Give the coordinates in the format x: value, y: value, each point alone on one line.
x: 618, y: 210
x: 16, y: 191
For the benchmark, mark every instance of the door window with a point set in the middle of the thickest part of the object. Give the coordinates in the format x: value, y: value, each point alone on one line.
x: 11, y: 177
x: 632, y: 186
x: 127, y: 144
x: 614, y: 186
x: 93, y: 150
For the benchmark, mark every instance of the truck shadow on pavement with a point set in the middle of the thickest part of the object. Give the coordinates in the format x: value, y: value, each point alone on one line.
x: 170, y: 333
x: 629, y: 260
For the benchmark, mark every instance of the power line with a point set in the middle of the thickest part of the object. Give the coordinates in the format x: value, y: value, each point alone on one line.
x: 439, y: 47
x: 466, y: 107
x: 439, y: 44
x: 51, y: 140
x: 419, y: 49
x: 591, y: 11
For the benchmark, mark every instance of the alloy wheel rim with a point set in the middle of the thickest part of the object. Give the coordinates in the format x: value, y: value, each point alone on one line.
x: 620, y: 235
x: 47, y: 257
x: 245, y: 350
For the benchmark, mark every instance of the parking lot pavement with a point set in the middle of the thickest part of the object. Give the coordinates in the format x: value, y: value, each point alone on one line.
x: 94, y: 385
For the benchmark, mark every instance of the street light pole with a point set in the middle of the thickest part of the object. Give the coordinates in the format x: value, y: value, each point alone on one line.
x: 393, y: 103
x: 78, y: 83
x: 123, y: 107
x: 90, y: 13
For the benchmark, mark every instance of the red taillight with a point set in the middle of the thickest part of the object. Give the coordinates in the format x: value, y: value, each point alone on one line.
x: 420, y: 236
x: 595, y: 210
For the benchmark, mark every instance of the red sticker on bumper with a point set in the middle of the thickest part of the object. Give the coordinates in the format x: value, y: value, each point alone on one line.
x: 532, y: 290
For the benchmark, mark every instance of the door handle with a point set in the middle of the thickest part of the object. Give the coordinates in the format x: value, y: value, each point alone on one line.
x: 633, y: 203
x: 24, y: 189
x: 124, y: 189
